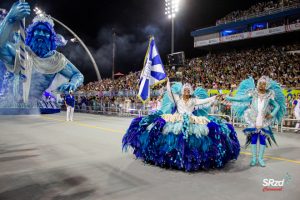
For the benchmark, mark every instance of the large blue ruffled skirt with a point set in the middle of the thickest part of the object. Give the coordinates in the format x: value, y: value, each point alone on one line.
x: 185, y: 150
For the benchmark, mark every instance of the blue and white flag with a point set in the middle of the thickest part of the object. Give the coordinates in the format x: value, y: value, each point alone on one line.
x: 153, y: 71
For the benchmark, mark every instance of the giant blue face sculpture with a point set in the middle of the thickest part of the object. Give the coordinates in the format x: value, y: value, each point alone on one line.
x: 41, y: 38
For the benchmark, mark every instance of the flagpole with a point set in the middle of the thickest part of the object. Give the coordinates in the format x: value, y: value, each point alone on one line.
x: 172, y: 94
x: 145, y: 59
x: 172, y: 36
x: 153, y: 71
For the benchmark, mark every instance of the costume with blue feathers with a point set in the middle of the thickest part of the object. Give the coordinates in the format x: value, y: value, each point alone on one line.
x: 260, y: 110
x: 181, y: 135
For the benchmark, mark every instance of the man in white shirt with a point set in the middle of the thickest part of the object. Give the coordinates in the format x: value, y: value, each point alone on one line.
x: 70, y: 104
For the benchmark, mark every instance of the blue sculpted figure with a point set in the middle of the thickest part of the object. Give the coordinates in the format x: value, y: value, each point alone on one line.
x: 41, y: 55
x: 7, y: 77
x: 2, y: 66
x: 2, y: 72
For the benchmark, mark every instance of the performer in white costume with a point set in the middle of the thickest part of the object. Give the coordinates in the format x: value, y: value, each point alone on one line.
x: 181, y: 135
x: 259, y: 107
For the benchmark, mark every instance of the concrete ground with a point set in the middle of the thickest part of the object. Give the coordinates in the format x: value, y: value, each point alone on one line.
x: 44, y: 157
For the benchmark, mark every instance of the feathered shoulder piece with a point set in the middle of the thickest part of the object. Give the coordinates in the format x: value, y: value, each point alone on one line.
x: 246, y: 86
x: 243, y: 98
x: 279, y: 97
x: 176, y: 88
x: 201, y: 93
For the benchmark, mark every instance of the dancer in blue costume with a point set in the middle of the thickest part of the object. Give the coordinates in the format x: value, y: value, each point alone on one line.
x: 181, y: 135
x: 259, y: 107
x: 41, y: 55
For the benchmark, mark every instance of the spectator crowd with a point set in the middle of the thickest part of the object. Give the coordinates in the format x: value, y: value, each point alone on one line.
x: 222, y: 70
x: 225, y: 70
x: 218, y: 70
x: 257, y: 9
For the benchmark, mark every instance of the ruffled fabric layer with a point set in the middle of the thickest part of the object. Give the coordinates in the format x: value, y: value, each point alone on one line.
x: 175, y: 123
x: 182, y: 145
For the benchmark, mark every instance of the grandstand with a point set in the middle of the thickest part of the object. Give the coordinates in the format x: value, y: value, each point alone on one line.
x: 265, y: 41
x: 271, y: 21
x: 220, y: 70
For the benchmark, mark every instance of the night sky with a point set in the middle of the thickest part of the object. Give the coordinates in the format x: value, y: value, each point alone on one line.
x: 133, y: 21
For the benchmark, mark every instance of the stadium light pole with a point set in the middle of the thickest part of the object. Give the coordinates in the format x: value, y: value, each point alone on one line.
x: 113, y: 53
x: 40, y: 12
x: 171, y: 8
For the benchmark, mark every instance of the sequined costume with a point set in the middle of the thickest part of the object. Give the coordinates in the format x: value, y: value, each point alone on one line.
x: 253, y: 107
x: 181, y: 135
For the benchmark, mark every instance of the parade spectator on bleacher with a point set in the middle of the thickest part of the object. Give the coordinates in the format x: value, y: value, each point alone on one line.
x: 218, y: 70
x: 257, y: 9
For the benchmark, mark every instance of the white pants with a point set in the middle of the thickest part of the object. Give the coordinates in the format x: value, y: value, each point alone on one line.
x: 70, y: 111
x: 297, y: 116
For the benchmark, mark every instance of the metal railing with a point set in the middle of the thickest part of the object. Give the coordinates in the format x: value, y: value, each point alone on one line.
x: 138, y: 110
x: 112, y: 109
x: 121, y: 93
x: 284, y: 127
x: 226, y: 117
x: 48, y: 104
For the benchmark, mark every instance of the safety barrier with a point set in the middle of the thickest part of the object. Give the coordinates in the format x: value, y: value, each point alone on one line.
x: 138, y: 110
x: 236, y: 122
x: 226, y: 117
x: 48, y: 104
x: 135, y: 110
x: 242, y: 124
x: 98, y: 110
x: 283, y: 127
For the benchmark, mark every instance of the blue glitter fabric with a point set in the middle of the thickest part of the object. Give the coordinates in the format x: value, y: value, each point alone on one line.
x: 267, y: 132
x: 184, y: 151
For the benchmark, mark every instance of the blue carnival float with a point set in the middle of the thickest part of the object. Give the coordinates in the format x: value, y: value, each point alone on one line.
x: 30, y: 63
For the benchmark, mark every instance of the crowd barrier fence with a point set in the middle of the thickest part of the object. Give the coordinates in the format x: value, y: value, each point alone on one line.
x: 138, y: 110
